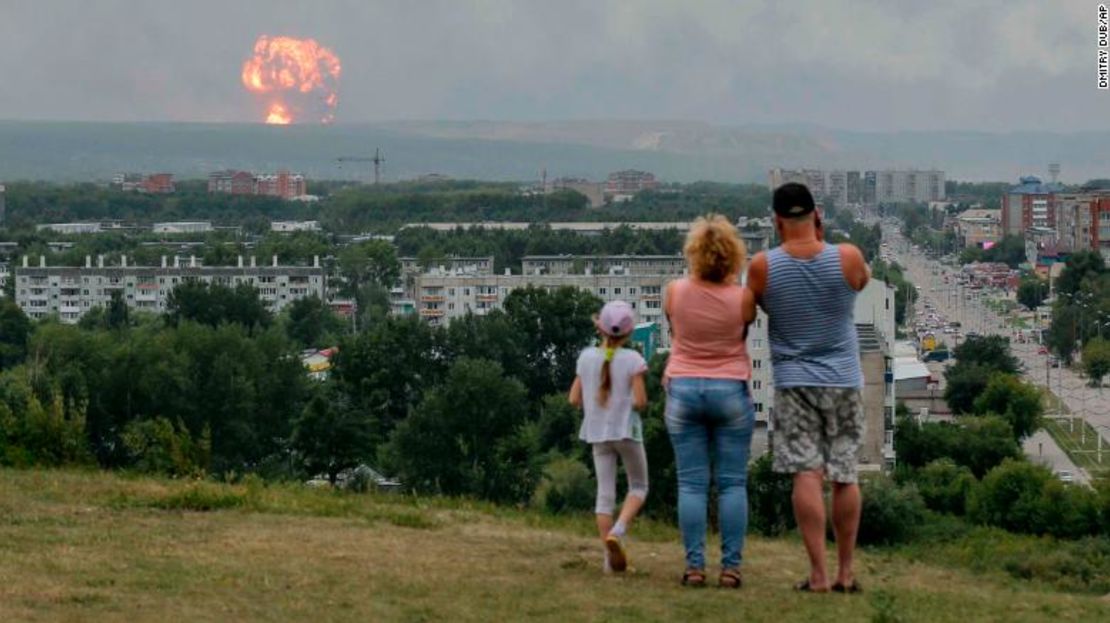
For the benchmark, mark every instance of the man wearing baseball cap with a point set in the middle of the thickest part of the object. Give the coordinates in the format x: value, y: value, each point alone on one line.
x: 808, y: 289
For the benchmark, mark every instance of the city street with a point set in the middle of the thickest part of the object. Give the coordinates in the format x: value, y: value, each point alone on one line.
x: 954, y: 302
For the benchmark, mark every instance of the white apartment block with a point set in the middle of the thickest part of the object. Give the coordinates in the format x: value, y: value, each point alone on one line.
x: 70, y: 228
x: 291, y: 226
x: 69, y: 292
x: 182, y: 227
x: 442, y: 297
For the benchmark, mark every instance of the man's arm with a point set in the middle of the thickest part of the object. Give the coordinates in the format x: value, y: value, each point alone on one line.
x: 856, y: 271
x: 757, y: 281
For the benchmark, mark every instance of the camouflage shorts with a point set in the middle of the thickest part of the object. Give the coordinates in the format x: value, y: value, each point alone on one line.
x: 818, y: 428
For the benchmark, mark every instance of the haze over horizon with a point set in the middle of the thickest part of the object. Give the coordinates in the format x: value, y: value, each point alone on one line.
x: 996, y: 67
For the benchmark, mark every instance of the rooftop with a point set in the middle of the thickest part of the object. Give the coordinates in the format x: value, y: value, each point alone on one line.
x: 1032, y: 185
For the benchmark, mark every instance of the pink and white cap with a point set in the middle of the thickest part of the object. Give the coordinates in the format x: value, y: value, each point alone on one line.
x: 616, y: 319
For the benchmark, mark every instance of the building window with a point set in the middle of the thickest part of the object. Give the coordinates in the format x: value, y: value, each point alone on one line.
x: 757, y: 384
x: 631, y: 291
x: 757, y: 363
x: 616, y: 291
x: 602, y: 291
x: 759, y: 407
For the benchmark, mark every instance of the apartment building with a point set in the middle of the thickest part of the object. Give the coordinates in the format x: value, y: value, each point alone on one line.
x: 281, y: 184
x: 69, y: 292
x: 623, y: 185
x: 1029, y: 204
x: 292, y: 226
x: 871, y: 188
x: 182, y: 227
x: 442, y: 297
x: 674, y: 265
x: 976, y: 227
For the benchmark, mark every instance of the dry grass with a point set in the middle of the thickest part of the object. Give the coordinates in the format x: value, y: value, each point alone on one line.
x: 97, y: 547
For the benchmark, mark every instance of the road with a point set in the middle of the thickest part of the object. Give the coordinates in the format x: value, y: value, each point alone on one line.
x: 954, y: 302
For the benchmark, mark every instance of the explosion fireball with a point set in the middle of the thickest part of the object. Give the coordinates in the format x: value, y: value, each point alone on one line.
x: 294, y: 77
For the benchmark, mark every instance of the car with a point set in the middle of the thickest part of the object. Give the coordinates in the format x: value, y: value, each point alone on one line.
x: 1054, y: 362
x: 1065, y: 475
x: 1042, y: 351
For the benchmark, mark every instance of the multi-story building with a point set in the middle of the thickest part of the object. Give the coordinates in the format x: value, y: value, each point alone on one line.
x: 281, y: 184
x: 623, y: 185
x: 1029, y: 204
x: 232, y: 182
x: 161, y: 183
x: 757, y: 233
x: 70, y: 228
x: 69, y: 291
x: 182, y: 227
x: 5, y: 274
x: 873, y: 187
x: 291, y: 226
x: 442, y: 296
x: 976, y: 227
x: 674, y: 265
x: 1083, y: 222
x: 593, y: 191
x: 3, y: 204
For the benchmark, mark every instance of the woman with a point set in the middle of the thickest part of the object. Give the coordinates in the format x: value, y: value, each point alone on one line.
x: 709, y: 408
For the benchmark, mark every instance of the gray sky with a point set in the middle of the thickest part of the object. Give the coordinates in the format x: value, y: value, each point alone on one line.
x: 866, y: 64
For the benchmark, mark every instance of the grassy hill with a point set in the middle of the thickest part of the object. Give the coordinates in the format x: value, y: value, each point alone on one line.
x: 90, y: 546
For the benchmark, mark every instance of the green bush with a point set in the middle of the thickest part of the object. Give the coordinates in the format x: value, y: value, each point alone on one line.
x: 769, y: 499
x: 202, y: 497
x: 945, y: 486
x: 891, y: 513
x: 1022, y: 497
x: 156, y: 446
x: 566, y: 487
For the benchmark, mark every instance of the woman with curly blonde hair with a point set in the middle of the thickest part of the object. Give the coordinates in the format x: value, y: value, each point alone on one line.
x: 709, y: 407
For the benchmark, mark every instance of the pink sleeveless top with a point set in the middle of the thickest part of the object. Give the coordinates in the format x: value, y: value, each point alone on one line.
x: 707, y: 327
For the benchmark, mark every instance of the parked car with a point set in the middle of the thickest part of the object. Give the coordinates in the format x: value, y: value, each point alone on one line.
x: 1065, y: 476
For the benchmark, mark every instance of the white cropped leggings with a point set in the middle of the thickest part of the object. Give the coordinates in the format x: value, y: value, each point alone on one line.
x: 605, y: 464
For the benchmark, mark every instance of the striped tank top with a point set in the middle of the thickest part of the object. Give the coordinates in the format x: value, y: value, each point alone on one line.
x: 811, y: 321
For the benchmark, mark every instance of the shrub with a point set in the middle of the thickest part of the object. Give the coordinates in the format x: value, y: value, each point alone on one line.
x: 945, y: 486
x: 769, y: 498
x: 1023, y: 497
x: 566, y: 487
x: 202, y: 497
x: 976, y: 442
x: 156, y: 446
x: 891, y: 513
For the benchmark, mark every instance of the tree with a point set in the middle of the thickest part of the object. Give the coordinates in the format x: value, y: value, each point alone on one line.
x: 1023, y: 497
x: 331, y: 436
x: 117, y: 315
x: 945, y: 486
x: 1079, y: 268
x: 213, y: 304
x: 469, y: 437
x: 310, y: 322
x: 1096, y: 359
x: 493, y: 336
x: 1018, y: 402
x: 15, y: 328
x: 1032, y: 292
x: 978, y: 443
x: 989, y: 350
x: 370, y: 262
x: 387, y: 369
x: 554, y: 326
x: 965, y: 381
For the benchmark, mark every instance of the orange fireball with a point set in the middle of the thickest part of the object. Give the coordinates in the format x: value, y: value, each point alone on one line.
x: 295, y: 77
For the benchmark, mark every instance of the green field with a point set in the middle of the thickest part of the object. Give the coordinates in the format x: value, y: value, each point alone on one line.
x: 1080, y: 441
x: 88, y: 546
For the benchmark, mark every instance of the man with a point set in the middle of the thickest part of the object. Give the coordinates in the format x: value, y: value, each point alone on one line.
x: 808, y: 289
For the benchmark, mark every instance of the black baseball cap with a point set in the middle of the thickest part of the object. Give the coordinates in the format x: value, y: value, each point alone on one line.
x: 792, y: 200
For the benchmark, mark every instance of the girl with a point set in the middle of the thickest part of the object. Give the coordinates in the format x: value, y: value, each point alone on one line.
x: 610, y: 389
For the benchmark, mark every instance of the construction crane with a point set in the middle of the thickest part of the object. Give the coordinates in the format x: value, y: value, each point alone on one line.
x: 378, y: 159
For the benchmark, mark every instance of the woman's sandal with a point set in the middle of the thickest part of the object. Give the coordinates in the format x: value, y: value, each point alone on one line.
x: 694, y: 578
x: 730, y: 578
x: 804, y: 587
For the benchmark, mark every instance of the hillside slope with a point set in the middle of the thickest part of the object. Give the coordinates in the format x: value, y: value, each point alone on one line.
x: 100, y: 547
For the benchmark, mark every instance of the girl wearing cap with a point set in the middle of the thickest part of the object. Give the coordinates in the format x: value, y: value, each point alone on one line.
x: 709, y: 410
x: 610, y: 389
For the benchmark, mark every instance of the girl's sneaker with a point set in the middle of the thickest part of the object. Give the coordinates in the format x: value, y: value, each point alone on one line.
x: 618, y: 559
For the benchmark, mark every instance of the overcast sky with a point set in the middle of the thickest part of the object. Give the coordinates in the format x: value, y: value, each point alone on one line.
x: 867, y: 64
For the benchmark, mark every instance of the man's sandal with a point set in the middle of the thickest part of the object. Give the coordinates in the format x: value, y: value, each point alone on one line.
x: 804, y: 587
x: 694, y: 578
x: 730, y: 578
x: 850, y: 589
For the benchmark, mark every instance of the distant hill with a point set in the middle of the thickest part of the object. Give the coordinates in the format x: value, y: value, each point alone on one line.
x: 673, y: 150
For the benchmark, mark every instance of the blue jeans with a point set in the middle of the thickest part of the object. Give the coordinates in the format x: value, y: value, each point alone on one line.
x: 704, y: 416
